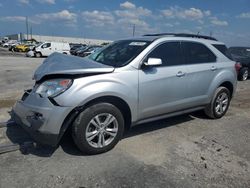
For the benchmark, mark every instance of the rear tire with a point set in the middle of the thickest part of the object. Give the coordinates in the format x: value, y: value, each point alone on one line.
x: 243, y: 74
x: 98, y: 128
x: 219, y: 104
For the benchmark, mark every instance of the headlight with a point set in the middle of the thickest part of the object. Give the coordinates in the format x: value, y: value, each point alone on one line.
x: 52, y: 88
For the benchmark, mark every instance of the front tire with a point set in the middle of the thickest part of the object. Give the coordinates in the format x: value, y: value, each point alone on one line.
x: 219, y: 104
x: 38, y: 54
x: 98, y: 128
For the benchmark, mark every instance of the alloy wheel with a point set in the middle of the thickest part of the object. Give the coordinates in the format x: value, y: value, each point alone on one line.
x: 101, y: 130
x: 245, y: 75
x: 221, y: 103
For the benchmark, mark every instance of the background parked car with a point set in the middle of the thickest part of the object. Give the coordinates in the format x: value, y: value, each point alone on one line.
x: 79, y: 50
x: 12, y: 46
x: 242, y: 56
x: 75, y: 48
x: 47, y: 48
x: 23, y: 47
x: 76, y: 45
x: 31, y: 52
x: 87, y: 51
x: 7, y: 44
x: 4, y: 40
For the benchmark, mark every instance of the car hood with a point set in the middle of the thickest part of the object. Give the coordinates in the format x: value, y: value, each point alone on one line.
x: 60, y: 64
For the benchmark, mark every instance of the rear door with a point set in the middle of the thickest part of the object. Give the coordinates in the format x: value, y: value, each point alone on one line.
x: 201, y: 69
x: 162, y: 89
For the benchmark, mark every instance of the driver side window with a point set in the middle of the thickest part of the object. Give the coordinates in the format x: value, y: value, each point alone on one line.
x: 46, y: 45
x: 169, y: 53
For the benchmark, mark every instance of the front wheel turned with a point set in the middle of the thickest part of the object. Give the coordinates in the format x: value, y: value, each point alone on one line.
x: 98, y: 128
x: 38, y: 54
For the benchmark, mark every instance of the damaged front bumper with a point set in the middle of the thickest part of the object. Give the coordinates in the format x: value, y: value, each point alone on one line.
x: 40, y: 117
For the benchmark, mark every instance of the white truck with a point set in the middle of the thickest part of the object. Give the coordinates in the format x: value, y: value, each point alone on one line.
x: 47, y: 48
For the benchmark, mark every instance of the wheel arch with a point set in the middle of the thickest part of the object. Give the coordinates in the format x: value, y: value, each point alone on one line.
x: 39, y: 52
x: 116, y: 101
x: 229, y: 86
x: 226, y: 78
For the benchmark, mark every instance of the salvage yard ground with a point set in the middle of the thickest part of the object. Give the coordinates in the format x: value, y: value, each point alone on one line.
x: 184, y: 151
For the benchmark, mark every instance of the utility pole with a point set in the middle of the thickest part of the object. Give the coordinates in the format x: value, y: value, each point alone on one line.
x: 211, y: 33
x: 21, y: 37
x: 27, y: 27
x: 31, y: 32
x: 133, y: 30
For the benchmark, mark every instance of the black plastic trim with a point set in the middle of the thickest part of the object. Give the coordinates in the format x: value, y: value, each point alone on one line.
x: 181, y: 35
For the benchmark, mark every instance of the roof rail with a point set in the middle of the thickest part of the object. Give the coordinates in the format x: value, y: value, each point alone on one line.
x: 182, y: 35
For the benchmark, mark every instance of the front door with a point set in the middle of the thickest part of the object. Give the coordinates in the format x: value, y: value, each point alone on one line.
x: 46, y: 49
x: 162, y: 89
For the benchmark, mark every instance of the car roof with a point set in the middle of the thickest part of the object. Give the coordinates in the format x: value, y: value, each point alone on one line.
x: 177, y: 36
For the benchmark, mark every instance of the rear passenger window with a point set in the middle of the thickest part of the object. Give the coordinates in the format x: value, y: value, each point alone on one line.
x: 197, y: 53
x: 169, y: 53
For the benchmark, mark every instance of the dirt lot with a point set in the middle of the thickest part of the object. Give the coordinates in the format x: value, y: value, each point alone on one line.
x: 184, y: 151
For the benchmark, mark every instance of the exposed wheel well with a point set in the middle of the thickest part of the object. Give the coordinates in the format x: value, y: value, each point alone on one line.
x: 116, y: 101
x: 229, y: 86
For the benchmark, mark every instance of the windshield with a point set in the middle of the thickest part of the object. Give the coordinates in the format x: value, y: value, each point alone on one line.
x: 119, y: 53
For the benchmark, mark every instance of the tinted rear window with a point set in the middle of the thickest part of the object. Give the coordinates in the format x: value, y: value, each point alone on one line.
x: 223, y: 49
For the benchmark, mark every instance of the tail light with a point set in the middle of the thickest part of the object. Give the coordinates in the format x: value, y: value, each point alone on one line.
x: 237, y: 67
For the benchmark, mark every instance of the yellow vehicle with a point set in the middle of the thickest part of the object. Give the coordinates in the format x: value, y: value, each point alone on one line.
x: 22, y: 48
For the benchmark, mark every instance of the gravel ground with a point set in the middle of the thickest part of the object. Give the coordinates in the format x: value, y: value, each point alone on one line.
x: 16, y: 75
x: 184, y: 151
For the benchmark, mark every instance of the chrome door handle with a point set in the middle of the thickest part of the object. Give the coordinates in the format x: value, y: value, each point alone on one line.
x: 180, y: 74
x: 213, y: 68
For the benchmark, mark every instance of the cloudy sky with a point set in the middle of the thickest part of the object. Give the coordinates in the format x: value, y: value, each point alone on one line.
x: 227, y: 20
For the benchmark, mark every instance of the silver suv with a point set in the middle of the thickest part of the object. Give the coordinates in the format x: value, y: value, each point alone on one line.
x: 129, y: 82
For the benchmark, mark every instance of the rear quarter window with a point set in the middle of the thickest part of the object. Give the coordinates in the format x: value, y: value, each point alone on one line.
x: 223, y: 49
